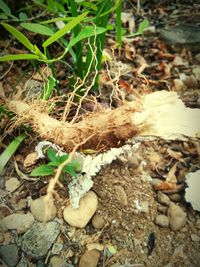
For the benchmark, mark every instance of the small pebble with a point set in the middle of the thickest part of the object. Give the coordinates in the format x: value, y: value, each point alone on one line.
x: 19, y: 222
x: 1, y: 237
x: 163, y: 199
x: 120, y: 195
x: 12, y: 184
x: 21, y: 204
x: 175, y: 197
x: 98, y: 222
x: 89, y: 259
x: 162, y: 209
x: 145, y: 207
x: 195, y: 238
x: 81, y: 216
x: 178, y: 85
x: 9, y: 254
x: 43, y: 209
x: 133, y: 162
x: 196, y: 72
x: 177, y: 217
x: 162, y: 220
x: 56, y: 261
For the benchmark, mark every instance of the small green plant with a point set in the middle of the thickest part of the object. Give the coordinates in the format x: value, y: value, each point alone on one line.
x: 54, y: 161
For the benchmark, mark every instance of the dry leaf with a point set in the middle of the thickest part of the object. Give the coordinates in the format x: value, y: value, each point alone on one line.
x: 30, y: 159
x: 174, y: 154
x: 168, y: 187
x: 171, y: 176
x: 128, y: 18
x: 130, y: 51
x: 125, y: 85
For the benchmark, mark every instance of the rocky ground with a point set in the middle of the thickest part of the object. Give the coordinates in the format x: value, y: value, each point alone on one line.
x: 131, y: 217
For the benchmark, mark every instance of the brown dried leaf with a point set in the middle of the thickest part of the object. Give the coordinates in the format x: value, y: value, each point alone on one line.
x: 174, y: 154
x: 168, y: 187
x: 30, y: 159
x: 130, y: 51
x: 171, y: 176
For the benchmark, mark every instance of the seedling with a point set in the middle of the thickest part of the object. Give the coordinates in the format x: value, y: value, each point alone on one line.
x: 54, y: 161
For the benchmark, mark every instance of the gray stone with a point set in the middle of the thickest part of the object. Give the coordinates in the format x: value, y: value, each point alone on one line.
x: 9, y: 255
x: 37, y: 241
x: 182, y: 36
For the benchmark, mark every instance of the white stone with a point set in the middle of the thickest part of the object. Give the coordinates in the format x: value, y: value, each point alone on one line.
x: 19, y: 222
x: 81, y: 216
x: 43, y: 209
x: 177, y: 217
x: 192, y: 191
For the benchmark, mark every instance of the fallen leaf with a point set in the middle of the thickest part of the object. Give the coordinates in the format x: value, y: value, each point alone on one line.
x: 128, y: 18
x: 171, y: 176
x: 174, y: 154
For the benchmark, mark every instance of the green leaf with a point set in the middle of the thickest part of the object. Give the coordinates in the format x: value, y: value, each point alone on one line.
x: 54, y: 164
x: 18, y: 57
x: 70, y: 170
x: 3, y: 16
x: 88, y: 4
x: 143, y: 25
x: 43, y: 170
x: 23, y: 16
x: 5, y: 8
x: 62, y: 158
x: 51, y: 154
x: 75, y: 165
x: 64, y: 30
x: 10, y: 150
x: 19, y: 36
x: 86, y: 33
x: 37, y: 28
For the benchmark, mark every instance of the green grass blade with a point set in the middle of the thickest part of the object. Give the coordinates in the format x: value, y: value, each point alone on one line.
x: 10, y: 150
x: 5, y: 8
x: 78, y: 48
x: 119, y: 24
x: 64, y: 30
x: 87, y: 32
x: 19, y: 36
x: 37, y: 28
x: 18, y: 57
